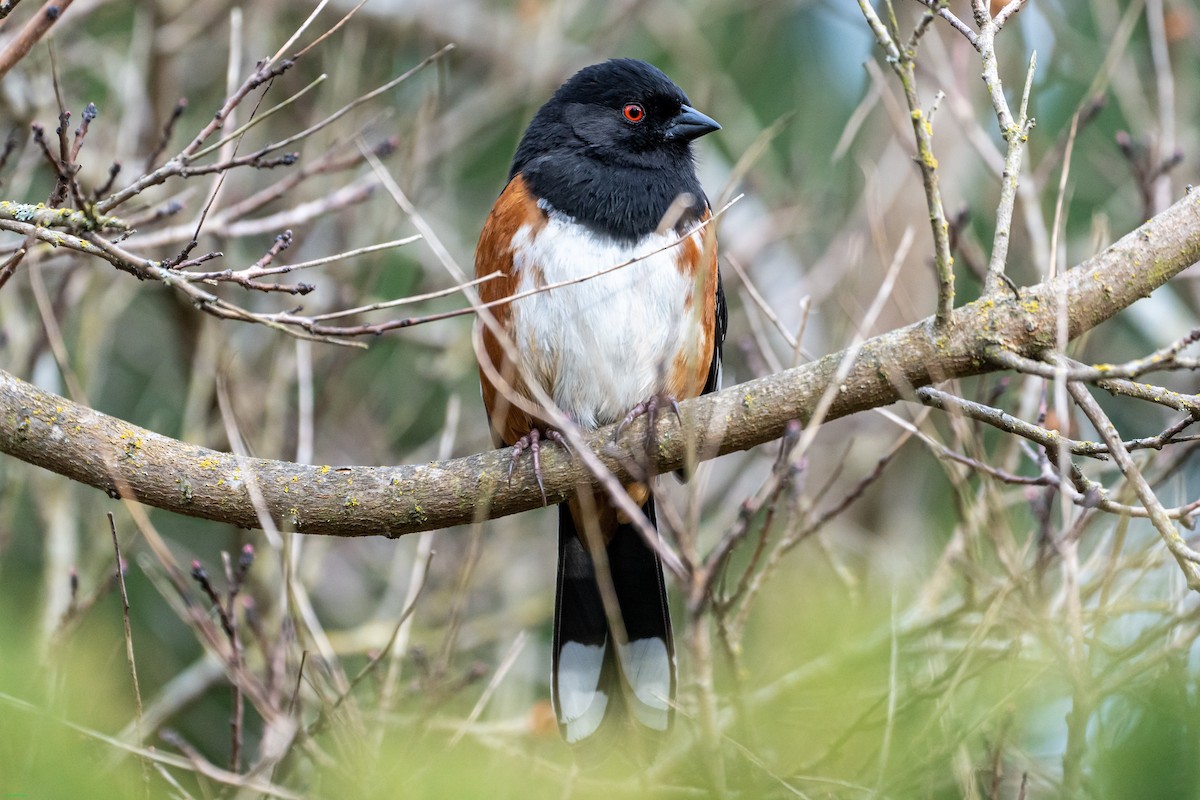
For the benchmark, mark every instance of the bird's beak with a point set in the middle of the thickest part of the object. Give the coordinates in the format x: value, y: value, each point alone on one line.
x: 690, y: 124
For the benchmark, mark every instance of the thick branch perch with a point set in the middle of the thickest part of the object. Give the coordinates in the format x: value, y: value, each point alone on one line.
x: 125, y: 460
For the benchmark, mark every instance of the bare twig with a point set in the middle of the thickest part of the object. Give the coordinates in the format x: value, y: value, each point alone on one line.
x: 1060, y: 197
x: 1015, y: 134
x: 163, y: 140
x: 942, y: 9
x: 34, y: 30
x: 903, y: 63
x: 89, y: 114
x: 1164, y: 82
x: 1162, y: 359
x: 9, y: 267
x: 1010, y: 9
x: 761, y: 303
x: 1188, y: 559
x: 264, y: 73
x: 137, y: 691
x: 1001, y: 420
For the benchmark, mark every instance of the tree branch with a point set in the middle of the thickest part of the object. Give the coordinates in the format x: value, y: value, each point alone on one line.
x: 127, y: 461
x: 34, y: 30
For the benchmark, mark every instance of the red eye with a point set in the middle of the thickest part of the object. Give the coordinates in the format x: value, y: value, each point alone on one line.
x: 634, y: 112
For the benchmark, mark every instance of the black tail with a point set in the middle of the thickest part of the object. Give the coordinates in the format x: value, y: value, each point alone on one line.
x: 595, y: 675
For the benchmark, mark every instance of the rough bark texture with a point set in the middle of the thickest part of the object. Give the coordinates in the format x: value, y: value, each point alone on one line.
x: 127, y: 461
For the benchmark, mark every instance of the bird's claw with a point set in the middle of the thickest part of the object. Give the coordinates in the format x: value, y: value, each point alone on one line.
x: 649, y: 408
x: 531, y: 442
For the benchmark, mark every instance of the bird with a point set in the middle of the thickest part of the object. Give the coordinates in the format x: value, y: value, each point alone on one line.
x: 603, y: 175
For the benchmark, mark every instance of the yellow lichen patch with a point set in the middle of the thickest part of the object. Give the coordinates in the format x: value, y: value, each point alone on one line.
x: 1032, y: 306
x: 351, y: 501
x: 208, y: 463
x: 1105, y: 287
x: 325, y: 470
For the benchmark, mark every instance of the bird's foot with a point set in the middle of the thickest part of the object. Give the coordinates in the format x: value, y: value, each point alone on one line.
x: 650, y: 408
x: 532, y: 442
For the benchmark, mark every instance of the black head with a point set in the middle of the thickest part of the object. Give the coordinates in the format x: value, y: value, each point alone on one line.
x: 612, y: 148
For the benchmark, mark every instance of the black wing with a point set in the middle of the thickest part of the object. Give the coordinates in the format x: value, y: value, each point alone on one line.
x: 722, y: 323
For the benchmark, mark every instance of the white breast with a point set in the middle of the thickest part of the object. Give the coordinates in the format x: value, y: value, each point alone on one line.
x: 601, y: 346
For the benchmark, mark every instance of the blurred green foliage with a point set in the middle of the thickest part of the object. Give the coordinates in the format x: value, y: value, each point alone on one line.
x: 41, y: 756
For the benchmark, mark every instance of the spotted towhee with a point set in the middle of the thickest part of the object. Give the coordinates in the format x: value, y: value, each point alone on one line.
x: 604, y: 175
